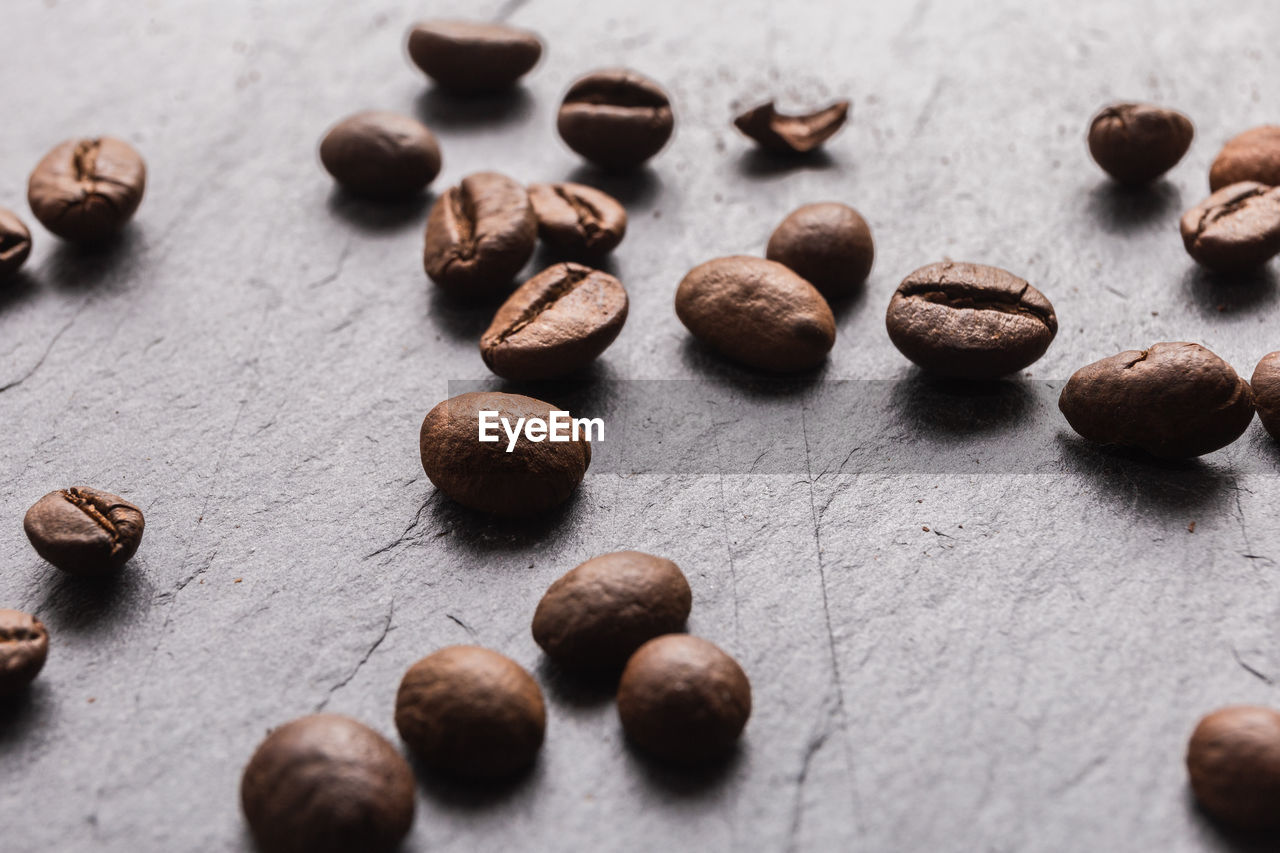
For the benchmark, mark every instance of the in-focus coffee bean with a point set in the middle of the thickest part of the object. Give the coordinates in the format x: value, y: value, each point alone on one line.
x: 327, y: 784
x: 970, y: 321
x: 479, y: 234
x: 1233, y: 760
x: 1172, y: 400
x: 792, y: 134
x: 532, y: 478
x: 616, y: 118
x: 579, y: 221
x: 381, y: 155
x: 470, y: 58
x: 1252, y: 156
x: 683, y: 700
x: 86, y: 190
x: 757, y: 312
x: 827, y: 244
x: 1137, y: 143
x: 1266, y: 392
x: 84, y: 531
x: 1237, y: 228
x: 24, y: 645
x: 598, y: 614
x: 471, y: 712
x: 556, y: 323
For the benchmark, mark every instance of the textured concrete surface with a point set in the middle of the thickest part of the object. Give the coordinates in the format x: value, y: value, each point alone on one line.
x: 998, y: 642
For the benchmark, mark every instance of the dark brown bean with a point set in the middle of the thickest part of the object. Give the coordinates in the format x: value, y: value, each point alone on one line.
x: 84, y: 531
x: 595, y: 616
x: 1236, y: 228
x: 1233, y: 760
x: 616, y: 118
x: 381, y: 155
x: 471, y: 712
x: 828, y: 244
x: 15, y: 243
x: 792, y: 134
x: 479, y: 234
x: 580, y: 221
x: 327, y: 784
x: 1252, y: 156
x: 85, y: 190
x: 469, y: 57
x: 1266, y: 392
x: 1137, y: 143
x: 24, y: 646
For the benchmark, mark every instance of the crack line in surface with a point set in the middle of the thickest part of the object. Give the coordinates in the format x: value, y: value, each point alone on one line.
x: 48, y: 349
x: 382, y: 635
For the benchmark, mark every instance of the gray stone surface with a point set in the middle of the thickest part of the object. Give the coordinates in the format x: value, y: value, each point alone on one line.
x: 944, y: 657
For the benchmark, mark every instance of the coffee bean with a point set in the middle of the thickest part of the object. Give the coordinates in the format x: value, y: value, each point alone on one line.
x: 578, y: 220
x: 970, y: 321
x: 84, y: 531
x: 757, y: 312
x: 470, y: 58
x: 1266, y: 392
x: 1233, y: 760
x: 556, y: 323
x: 15, y: 243
x: 683, y: 700
x: 1237, y: 228
x: 1172, y: 400
x: 792, y: 134
x: 479, y: 234
x: 85, y: 190
x: 1137, y: 143
x: 616, y: 118
x: 24, y: 645
x: 327, y: 784
x: 598, y: 614
x: 1252, y: 156
x: 471, y: 712
x: 381, y: 155
x: 828, y: 245
x: 533, y: 478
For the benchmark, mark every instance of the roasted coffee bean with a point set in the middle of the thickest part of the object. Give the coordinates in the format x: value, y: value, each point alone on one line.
x: 597, y: 615
x: 1233, y: 760
x: 24, y: 645
x: 683, y: 700
x: 1172, y: 400
x: 757, y: 312
x: 469, y: 58
x: 578, y: 220
x: 85, y: 190
x: 792, y: 134
x: 1266, y: 392
x: 84, y: 531
x: 533, y: 478
x: 15, y: 243
x: 479, y: 234
x: 970, y: 321
x: 1237, y: 228
x: 327, y: 784
x: 616, y: 118
x: 381, y: 155
x: 556, y: 323
x: 1252, y: 156
x: 1137, y: 143
x: 827, y: 244
x: 471, y: 712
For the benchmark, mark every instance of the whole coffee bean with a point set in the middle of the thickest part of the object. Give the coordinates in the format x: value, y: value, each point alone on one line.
x: 1137, y: 143
x: 597, y: 615
x: 86, y: 190
x: 792, y: 134
x: 1236, y: 228
x: 24, y: 645
x: 471, y: 712
x: 757, y: 312
x: 683, y: 700
x: 578, y: 220
x: 468, y: 57
x: 616, y: 118
x: 15, y: 243
x: 827, y: 244
x: 479, y: 234
x: 556, y: 323
x: 327, y: 784
x: 1233, y: 760
x: 970, y: 321
x: 84, y: 531
x: 1252, y: 156
x: 533, y: 478
x: 381, y: 155
x: 1172, y: 400
x: 1266, y: 392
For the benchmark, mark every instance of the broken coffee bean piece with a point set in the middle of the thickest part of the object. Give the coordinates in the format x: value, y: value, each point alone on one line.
x: 381, y: 155
x: 1233, y: 761
x: 15, y: 243
x: 468, y: 57
x: 1235, y: 229
x: 580, y: 221
x: 792, y: 134
x: 479, y: 234
x: 1137, y: 143
x: 1252, y: 156
x: 616, y: 118
x: 24, y: 646
x: 84, y: 531
x: 827, y: 244
x: 86, y: 190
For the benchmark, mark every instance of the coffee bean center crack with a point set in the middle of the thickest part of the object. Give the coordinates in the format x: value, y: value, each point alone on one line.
x: 89, y: 508
x: 960, y: 296
x: 545, y: 302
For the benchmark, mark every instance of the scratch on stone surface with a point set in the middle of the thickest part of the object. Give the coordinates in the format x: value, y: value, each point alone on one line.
x: 812, y: 748
x: 48, y: 349
x: 914, y: 19
x: 926, y: 111
x: 337, y: 268
x: 403, y: 537
x: 1080, y: 775
x: 509, y: 8
x: 1249, y: 669
x: 470, y: 631
x: 382, y: 635
x: 728, y: 547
